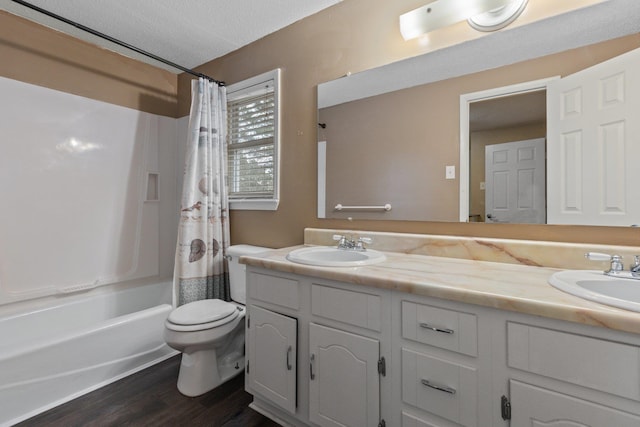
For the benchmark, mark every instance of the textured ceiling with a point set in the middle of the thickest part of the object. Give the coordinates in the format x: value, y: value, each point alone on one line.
x: 188, y: 33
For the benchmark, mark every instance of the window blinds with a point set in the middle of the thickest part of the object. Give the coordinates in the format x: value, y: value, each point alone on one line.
x: 251, y: 143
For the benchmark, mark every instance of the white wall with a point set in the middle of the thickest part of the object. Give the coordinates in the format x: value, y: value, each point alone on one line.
x: 73, y: 192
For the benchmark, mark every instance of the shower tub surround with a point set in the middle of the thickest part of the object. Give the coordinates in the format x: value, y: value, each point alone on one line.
x: 68, y: 348
x: 87, y: 242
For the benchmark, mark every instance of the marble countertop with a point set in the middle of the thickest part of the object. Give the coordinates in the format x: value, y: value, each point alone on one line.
x: 512, y: 287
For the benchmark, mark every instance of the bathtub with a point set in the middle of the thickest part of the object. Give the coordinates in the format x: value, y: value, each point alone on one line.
x: 54, y: 353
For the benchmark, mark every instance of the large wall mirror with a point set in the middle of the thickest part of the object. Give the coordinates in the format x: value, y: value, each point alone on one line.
x: 389, y: 138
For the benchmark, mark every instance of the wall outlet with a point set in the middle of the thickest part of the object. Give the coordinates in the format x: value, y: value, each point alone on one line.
x: 483, y: 186
x: 450, y: 172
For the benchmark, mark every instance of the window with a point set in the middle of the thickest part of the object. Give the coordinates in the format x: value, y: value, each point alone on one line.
x: 253, y: 142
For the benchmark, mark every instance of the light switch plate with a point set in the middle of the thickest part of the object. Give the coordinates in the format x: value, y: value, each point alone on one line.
x: 450, y: 172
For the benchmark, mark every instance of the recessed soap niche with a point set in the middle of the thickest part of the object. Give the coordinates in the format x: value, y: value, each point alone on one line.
x: 153, y: 181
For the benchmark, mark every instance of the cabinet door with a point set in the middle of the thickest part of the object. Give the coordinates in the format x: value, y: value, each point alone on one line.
x: 272, y: 356
x: 538, y: 407
x: 344, y: 387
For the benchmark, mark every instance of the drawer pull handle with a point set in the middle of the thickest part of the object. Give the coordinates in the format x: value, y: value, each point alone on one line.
x: 434, y: 328
x: 288, y: 362
x: 439, y: 387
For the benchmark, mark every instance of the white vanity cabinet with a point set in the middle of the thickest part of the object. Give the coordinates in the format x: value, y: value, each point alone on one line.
x: 272, y: 339
x: 570, y: 375
x: 541, y: 407
x: 344, y: 386
x: 343, y: 331
x: 326, y: 353
x: 438, y: 364
x: 272, y: 342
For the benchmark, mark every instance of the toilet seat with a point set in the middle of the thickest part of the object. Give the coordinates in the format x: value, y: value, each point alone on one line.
x: 201, y: 315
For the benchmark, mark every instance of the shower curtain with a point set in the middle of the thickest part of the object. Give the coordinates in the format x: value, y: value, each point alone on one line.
x: 201, y: 270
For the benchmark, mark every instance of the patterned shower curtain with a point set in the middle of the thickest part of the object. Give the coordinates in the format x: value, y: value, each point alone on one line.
x: 201, y: 270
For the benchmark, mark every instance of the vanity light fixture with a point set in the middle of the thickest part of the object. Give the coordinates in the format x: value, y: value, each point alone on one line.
x: 483, y: 15
x: 496, y: 19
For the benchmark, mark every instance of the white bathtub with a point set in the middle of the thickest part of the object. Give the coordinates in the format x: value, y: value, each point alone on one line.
x: 52, y: 354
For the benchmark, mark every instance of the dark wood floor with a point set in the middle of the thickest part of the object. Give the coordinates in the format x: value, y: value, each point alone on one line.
x: 150, y: 398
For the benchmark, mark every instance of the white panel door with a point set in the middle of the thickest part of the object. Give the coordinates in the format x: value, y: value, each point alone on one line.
x: 593, y: 144
x: 344, y: 387
x: 515, y: 182
x: 537, y: 407
x: 273, y: 354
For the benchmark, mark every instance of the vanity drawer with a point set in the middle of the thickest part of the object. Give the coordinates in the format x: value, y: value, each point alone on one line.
x: 273, y: 289
x: 354, y: 308
x: 603, y: 365
x: 448, y: 329
x: 444, y: 388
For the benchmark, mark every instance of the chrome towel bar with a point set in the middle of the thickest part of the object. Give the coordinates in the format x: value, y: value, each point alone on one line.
x: 340, y: 207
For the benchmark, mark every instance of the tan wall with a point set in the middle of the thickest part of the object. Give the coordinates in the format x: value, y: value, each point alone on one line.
x: 323, y: 47
x: 477, y: 143
x: 38, y: 55
x: 349, y: 37
x: 384, y: 150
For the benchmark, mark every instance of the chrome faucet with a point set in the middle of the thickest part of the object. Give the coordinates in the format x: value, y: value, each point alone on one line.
x: 616, y: 267
x: 635, y: 268
x: 348, y: 243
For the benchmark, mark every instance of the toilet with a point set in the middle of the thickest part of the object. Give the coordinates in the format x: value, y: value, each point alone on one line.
x: 210, y: 333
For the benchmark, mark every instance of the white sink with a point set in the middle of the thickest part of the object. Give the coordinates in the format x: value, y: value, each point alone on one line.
x: 598, y: 287
x: 328, y: 256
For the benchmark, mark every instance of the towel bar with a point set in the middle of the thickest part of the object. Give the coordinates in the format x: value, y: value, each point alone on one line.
x: 340, y: 207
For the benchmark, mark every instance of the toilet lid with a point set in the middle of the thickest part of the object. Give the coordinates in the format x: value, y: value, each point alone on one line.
x: 203, y: 311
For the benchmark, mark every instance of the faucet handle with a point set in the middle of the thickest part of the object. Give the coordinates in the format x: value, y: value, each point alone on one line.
x: 616, y: 260
x: 598, y: 256
x: 359, y: 244
x: 635, y: 267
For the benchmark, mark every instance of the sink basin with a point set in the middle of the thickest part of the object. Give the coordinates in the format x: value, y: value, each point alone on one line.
x: 326, y: 256
x: 598, y: 287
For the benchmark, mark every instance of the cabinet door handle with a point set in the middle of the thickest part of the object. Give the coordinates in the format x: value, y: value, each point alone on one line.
x: 436, y: 329
x: 311, y: 374
x: 288, y: 362
x: 439, y: 387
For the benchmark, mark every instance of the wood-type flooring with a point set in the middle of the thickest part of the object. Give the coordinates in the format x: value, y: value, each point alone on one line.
x: 150, y: 398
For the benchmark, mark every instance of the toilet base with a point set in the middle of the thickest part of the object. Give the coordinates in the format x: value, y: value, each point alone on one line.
x: 200, y: 372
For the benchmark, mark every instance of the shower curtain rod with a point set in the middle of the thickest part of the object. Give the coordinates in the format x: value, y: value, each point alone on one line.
x: 116, y: 41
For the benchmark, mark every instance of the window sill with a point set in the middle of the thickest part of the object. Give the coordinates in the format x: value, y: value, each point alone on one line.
x: 254, y: 205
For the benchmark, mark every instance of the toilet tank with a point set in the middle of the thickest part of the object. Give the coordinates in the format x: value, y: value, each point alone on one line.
x: 237, y: 271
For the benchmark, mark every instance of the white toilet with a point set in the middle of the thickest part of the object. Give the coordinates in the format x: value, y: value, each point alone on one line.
x: 210, y: 333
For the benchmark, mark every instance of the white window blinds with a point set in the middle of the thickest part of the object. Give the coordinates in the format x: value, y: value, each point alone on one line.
x: 252, y: 148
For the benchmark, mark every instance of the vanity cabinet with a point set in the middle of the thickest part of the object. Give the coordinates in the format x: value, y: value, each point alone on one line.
x: 438, y: 362
x: 344, y: 386
x: 575, y: 376
x: 343, y: 332
x: 539, y: 406
x: 272, y: 339
x: 272, y: 342
x: 326, y: 353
